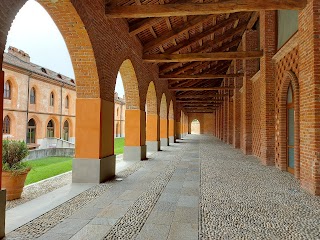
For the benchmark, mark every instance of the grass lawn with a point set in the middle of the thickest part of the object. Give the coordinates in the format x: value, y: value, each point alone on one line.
x: 118, y: 145
x: 51, y: 166
x: 48, y: 167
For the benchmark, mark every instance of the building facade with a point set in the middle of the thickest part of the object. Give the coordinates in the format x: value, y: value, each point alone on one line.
x: 119, y: 116
x: 38, y: 103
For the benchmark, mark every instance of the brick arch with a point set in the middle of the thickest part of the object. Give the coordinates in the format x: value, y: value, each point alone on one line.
x: 130, y: 85
x: 163, y: 107
x: 190, y: 124
x: 75, y: 36
x: 281, y: 123
x: 71, y: 131
x: 151, y: 102
x: 171, y: 112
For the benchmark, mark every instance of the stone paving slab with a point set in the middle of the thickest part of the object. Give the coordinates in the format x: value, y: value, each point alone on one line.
x: 200, y: 189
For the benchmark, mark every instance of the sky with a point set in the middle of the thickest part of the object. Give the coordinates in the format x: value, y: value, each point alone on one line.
x: 34, y: 32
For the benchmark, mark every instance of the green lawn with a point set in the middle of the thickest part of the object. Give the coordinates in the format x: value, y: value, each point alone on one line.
x: 48, y: 167
x: 118, y: 145
x: 51, y: 166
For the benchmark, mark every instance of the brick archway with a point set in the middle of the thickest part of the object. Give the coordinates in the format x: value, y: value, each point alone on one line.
x: 75, y: 36
x: 151, y: 102
x: 130, y: 85
x: 195, y: 129
x: 281, y: 124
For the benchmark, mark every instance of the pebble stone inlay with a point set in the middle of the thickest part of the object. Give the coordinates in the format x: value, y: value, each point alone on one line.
x: 129, y: 226
x: 241, y: 199
x: 47, y: 221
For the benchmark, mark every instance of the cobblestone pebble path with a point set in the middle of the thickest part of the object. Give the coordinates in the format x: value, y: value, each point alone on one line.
x: 199, y: 188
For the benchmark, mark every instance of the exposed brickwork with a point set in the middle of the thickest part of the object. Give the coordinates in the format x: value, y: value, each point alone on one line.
x: 206, y: 122
x: 250, y: 67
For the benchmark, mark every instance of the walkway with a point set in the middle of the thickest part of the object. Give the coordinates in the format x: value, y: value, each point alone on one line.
x: 198, y: 189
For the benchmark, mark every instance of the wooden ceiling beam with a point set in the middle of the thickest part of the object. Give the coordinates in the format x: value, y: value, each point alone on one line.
x: 202, y: 89
x: 199, y: 76
x: 211, y: 96
x: 201, y: 57
x: 168, y: 36
x: 142, y: 25
x: 186, y: 9
x: 184, y: 44
x: 224, y: 47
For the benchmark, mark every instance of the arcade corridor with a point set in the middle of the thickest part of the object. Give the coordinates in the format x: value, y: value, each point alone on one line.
x: 198, y: 188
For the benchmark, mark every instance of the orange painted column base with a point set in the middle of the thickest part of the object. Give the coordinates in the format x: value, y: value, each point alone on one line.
x: 178, y: 127
x: 171, y: 131
x: 153, y: 133
x: 135, y: 128
x: 164, y: 139
x: 94, y: 159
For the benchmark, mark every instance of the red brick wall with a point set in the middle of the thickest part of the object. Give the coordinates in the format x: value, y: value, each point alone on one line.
x: 256, y: 114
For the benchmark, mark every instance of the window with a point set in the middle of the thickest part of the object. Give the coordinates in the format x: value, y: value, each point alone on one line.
x: 287, y: 25
x: 67, y: 102
x: 117, y: 112
x: 50, y: 129
x: 7, y: 90
x: 51, y: 99
x: 66, y: 131
x: 6, y: 125
x: 33, y: 96
x: 31, y: 134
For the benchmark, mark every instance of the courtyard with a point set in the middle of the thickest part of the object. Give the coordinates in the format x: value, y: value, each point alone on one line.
x: 199, y: 188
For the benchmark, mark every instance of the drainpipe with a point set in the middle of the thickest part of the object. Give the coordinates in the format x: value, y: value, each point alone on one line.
x: 28, y: 101
x: 61, y: 110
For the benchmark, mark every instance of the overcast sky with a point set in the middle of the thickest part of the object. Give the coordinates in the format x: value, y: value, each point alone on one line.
x: 34, y: 32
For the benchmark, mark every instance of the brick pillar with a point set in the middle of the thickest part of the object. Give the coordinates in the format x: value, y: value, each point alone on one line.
x: 309, y: 75
x: 237, y: 105
x: 268, y: 43
x: 171, y: 130
x: 2, y: 191
x: 94, y: 158
x: 153, y: 133
x: 164, y: 139
x: 135, y: 141
x: 225, y: 114
x: 250, y: 67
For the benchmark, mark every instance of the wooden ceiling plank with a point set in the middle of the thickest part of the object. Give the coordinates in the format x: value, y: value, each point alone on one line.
x: 168, y: 36
x: 202, y: 89
x: 185, y: 9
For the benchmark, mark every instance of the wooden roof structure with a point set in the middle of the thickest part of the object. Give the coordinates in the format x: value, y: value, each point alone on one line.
x: 194, y: 41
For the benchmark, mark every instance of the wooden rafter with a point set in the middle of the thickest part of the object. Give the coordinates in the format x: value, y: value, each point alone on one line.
x: 200, y: 57
x: 185, y: 9
x: 175, y: 32
x: 201, y: 89
x: 200, y: 76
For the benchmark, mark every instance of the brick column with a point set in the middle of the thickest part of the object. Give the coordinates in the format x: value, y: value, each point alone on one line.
x: 171, y: 130
x: 225, y: 114
x: 153, y: 133
x: 164, y: 139
x: 309, y: 75
x: 135, y: 140
x: 2, y: 191
x: 237, y: 105
x: 94, y: 159
x: 268, y: 43
x: 250, y: 67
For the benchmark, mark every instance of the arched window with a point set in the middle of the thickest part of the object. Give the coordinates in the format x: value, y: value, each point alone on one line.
x: 51, y: 99
x: 66, y: 131
x: 31, y: 134
x: 290, y: 130
x: 117, y: 111
x: 6, y: 125
x: 67, y: 102
x: 50, y: 129
x: 32, y: 96
x: 7, y: 90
